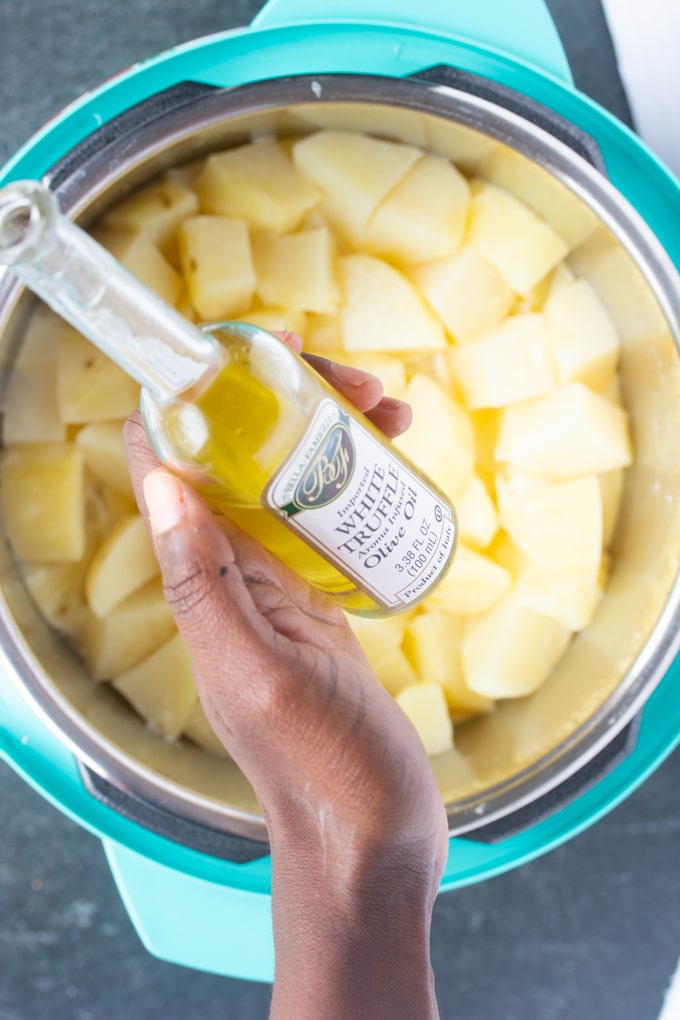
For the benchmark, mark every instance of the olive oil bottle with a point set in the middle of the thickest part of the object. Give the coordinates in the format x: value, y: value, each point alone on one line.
x: 247, y: 422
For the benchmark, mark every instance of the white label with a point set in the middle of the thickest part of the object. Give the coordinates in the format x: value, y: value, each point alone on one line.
x: 348, y: 496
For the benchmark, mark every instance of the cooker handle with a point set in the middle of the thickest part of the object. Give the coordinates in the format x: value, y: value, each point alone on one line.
x: 235, y: 849
x: 194, y: 922
x: 516, y: 102
x: 524, y: 29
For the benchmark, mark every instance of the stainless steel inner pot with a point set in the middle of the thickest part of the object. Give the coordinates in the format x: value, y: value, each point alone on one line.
x: 527, y: 747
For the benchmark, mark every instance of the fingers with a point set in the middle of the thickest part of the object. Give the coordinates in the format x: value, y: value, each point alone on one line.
x: 360, y: 388
x: 391, y: 416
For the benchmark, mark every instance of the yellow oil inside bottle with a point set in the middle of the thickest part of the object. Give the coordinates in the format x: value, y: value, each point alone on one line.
x: 238, y: 432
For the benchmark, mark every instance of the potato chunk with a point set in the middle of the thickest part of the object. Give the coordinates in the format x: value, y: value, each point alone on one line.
x: 569, y: 432
x: 135, y: 628
x: 354, y: 172
x: 466, y: 291
x: 155, y: 212
x: 124, y: 562
x: 217, y: 265
x: 42, y: 499
x: 472, y: 584
x: 297, y: 270
x: 161, y: 688
x: 441, y: 439
x: 140, y: 256
x: 103, y: 450
x: 31, y: 411
x: 520, y: 245
x: 423, y: 217
x: 510, y: 650
x: 510, y: 363
x: 91, y: 387
x: 477, y: 516
x: 581, y: 335
x: 382, y: 310
x: 425, y: 705
x: 432, y: 644
x: 259, y: 183
x: 562, y: 524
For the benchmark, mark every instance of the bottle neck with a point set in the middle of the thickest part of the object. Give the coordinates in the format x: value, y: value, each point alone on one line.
x: 86, y: 286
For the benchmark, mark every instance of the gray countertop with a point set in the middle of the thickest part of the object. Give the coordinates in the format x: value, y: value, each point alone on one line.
x: 592, y: 930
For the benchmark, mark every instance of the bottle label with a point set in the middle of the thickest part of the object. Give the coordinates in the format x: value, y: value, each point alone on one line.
x: 362, y: 508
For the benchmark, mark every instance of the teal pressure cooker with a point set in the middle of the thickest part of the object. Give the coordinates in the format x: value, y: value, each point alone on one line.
x: 180, y: 827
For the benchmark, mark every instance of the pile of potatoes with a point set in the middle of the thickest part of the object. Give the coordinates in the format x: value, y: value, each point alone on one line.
x: 382, y: 256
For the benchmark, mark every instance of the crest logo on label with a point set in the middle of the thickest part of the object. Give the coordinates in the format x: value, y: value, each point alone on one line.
x: 328, y: 474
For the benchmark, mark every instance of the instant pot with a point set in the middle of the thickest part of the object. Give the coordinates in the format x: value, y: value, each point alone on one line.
x: 180, y: 827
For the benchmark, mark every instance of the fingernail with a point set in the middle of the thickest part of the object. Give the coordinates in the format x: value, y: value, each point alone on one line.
x: 392, y: 404
x: 164, y: 497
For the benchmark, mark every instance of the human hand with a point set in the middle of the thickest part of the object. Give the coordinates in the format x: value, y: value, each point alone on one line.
x: 353, y: 812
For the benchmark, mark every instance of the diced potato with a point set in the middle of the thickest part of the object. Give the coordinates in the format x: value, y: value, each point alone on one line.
x: 391, y: 371
x: 471, y: 586
x: 425, y: 705
x: 477, y: 516
x: 567, y: 593
x: 354, y: 172
x: 58, y: 591
x: 441, y: 439
x: 466, y: 291
x: 382, y: 311
x: 520, y: 245
x: 378, y: 638
x: 279, y: 320
x: 581, y: 335
x: 395, y: 672
x: 217, y: 265
x: 423, y: 217
x: 562, y: 524
x: 103, y: 450
x: 140, y: 256
x: 258, y: 182
x: 90, y: 387
x: 42, y: 499
x: 104, y: 507
x: 200, y: 732
x: 510, y: 363
x: 184, y: 306
x: 432, y: 644
x: 511, y: 650
x: 324, y: 334
x: 124, y: 562
x: 569, y: 432
x: 297, y: 270
x: 611, y: 490
x: 486, y: 424
x: 40, y: 339
x: 156, y: 212
x: 31, y: 410
x: 506, y: 554
x: 573, y: 220
x: 161, y: 688
x: 514, y: 486
x: 135, y: 628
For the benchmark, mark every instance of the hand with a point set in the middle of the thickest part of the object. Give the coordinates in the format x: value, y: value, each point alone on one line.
x: 355, y: 819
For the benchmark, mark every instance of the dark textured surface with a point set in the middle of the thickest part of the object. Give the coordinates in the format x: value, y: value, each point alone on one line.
x: 590, y: 931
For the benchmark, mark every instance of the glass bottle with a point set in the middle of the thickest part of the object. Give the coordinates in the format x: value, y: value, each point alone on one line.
x: 247, y: 422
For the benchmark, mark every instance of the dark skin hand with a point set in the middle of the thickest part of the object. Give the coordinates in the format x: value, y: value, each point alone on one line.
x: 356, y: 823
